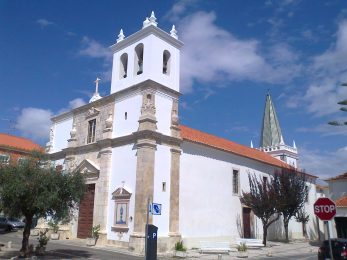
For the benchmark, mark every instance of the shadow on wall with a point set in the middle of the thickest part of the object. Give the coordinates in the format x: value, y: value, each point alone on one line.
x: 239, y: 225
x: 276, y: 230
x: 315, y: 232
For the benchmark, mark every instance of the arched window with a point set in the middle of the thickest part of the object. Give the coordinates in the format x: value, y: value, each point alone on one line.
x: 166, y: 62
x: 139, y: 59
x: 123, y: 72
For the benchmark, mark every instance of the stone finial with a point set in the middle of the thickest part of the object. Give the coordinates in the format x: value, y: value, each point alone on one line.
x: 120, y: 36
x: 294, y: 145
x: 96, y: 95
x: 173, y: 32
x: 146, y: 23
x: 73, y: 131
x: 153, y: 19
x: 252, y: 144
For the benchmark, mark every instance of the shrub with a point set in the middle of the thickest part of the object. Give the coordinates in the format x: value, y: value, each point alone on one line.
x: 95, y: 231
x: 180, y: 247
x: 242, y: 247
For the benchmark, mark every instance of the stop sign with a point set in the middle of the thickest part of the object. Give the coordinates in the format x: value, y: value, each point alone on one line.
x: 324, y: 208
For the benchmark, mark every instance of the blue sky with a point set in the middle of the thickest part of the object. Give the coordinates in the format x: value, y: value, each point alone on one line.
x: 234, y: 52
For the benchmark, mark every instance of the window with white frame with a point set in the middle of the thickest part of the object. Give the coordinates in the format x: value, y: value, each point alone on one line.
x: 121, y: 198
x: 4, y: 159
x: 22, y: 161
x: 91, y: 131
x: 236, y: 181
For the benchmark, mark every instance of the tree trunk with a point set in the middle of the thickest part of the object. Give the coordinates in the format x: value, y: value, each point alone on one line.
x: 285, y: 222
x: 26, y: 234
x: 264, y: 233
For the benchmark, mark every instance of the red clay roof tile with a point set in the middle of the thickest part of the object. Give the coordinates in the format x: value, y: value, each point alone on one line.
x: 341, y: 202
x: 338, y: 177
x: 197, y: 136
x: 18, y: 143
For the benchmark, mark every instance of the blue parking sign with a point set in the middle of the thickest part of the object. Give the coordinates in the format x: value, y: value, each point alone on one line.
x: 156, y: 209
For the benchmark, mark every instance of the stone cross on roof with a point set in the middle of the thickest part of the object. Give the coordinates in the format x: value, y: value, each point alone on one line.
x: 96, y: 95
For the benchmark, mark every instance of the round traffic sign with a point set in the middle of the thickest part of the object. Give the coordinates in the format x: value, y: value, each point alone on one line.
x: 324, y: 208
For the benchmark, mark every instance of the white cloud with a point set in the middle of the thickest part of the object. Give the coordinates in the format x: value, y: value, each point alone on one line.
x: 327, y: 71
x: 322, y: 163
x: 93, y: 49
x: 34, y: 122
x: 44, y: 22
x: 178, y: 9
x: 212, y: 54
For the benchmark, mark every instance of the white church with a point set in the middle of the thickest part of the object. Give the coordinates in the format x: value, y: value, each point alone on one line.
x: 132, y: 149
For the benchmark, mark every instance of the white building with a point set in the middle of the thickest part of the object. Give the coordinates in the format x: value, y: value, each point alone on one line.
x: 337, y: 191
x: 132, y: 148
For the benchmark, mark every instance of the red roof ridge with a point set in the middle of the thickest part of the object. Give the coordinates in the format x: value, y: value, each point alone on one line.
x: 338, y: 177
x: 18, y: 142
x: 198, y: 136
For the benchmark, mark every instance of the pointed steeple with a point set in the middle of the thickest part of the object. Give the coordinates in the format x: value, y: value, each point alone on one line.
x: 271, y: 131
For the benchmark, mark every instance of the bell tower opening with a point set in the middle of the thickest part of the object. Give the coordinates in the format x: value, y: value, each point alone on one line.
x: 139, y: 59
x: 166, y: 62
x: 123, y: 72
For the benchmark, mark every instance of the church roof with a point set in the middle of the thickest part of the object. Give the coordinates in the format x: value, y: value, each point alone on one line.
x: 20, y: 143
x: 341, y: 202
x: 197, y: 136
x: 271, y: 134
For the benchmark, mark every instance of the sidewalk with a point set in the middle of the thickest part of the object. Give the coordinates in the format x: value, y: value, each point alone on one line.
x: 273, y: 250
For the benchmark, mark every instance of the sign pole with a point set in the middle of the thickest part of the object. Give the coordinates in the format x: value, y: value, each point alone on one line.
x: 331, y: 250
x: 146, y: 232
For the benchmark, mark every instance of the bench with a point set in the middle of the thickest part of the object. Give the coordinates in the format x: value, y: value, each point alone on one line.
x: 214, y: 247
x: 250, y: 242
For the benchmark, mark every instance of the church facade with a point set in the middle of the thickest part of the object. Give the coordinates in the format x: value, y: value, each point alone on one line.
x: 133, y: 151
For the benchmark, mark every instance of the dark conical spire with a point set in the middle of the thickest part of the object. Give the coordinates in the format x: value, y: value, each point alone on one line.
x: 271, y: 131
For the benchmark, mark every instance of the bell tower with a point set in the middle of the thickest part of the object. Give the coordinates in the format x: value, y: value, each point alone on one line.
x: 272, y: 141
x: 149, y: 53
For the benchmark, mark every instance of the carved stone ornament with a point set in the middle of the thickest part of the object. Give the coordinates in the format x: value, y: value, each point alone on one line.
x: 109, y: 121
x: 148, y: 107
x: 73, y: 131
x: 174, y: 113
x: 92, y: 112
x: 89, y: 168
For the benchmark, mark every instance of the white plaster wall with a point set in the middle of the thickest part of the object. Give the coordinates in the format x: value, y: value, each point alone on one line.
x: 123, y: 169
x: 162, y: 174
x: 208, y: 208
x: 131, y: 106
x: 152, y: 65
x: 61, y: 134
x: 163, y: 113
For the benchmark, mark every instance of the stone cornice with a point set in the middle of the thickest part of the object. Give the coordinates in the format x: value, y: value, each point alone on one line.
x: 119, y: 95
x: 142, y: 34
x: 102, y: 145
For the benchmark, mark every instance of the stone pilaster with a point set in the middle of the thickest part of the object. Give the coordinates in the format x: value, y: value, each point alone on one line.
x: 146, y: 147
x: 144, y: 191
x: 102, y: 192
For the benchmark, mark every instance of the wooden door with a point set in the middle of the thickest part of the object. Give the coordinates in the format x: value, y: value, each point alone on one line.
x: 246, y: 218
x: 85, y: 216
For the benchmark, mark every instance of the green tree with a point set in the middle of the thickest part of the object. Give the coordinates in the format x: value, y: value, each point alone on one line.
x: 262, y: 200
x: 291, y: 194
x: 32, y: 190
x: 343, y: 103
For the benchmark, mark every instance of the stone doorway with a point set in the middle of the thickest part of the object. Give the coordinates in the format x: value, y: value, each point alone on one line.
x: 85, y: 216
x: 246, y: 220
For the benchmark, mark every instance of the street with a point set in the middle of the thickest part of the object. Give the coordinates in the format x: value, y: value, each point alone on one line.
x: 65, y: 249
x: 62, y: 249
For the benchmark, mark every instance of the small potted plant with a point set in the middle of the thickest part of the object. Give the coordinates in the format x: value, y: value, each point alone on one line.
x: 55, y: 227
x: 242, y: 251
x: 91, y: 241
x: 43, y: 240
x: 180, y: 250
